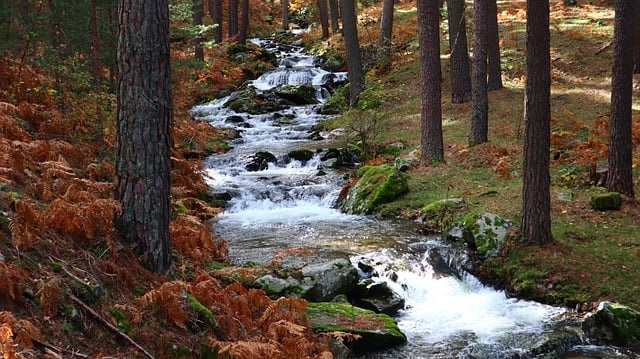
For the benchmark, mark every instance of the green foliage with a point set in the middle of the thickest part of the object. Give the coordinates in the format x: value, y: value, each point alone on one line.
x: 204, y: 313
x: 121, y: 319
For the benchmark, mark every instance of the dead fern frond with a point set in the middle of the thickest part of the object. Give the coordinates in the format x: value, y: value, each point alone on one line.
x: 193, y: 239
x: 50, y: 295
x: 27, y: 224
x: 23, y: 330
x: 169, y: 297
x: 246, y: 349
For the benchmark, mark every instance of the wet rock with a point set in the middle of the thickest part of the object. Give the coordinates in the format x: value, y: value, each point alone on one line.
x: 613, y: 323
x: 234, y: 119
x: 249, y: 101
x: 299, y: 94
x: 439, y: 265
x: 606, y: 201
x: 325, y: 281
x: 376, y: 331
x: 300, y: 155
x: 377, y: 185
x: 377, y: 296
x: 221, y: 196
x: 338, y: 157
x: 260, y: 161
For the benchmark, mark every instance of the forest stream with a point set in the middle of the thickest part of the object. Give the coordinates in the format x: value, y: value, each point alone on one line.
x: 285, y: 204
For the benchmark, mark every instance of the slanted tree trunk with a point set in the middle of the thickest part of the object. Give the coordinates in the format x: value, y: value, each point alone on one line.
x: 323, y: 14
x: 244, y: 24
x: 620, y: 160
x: 197, y: 15
x: 354, y: 58
x: 494, y: 81
x: 233, y: 18
x: 431, y: 144
x: 459, y: 59
x: 334, y: 14
x: 215, y: 11
x: 142, y: 164
x: 480, y: 112
x: 536, y: 202
x: 384, y: 41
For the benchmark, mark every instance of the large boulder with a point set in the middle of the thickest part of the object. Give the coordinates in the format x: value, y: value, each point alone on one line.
x: 606, y: 201
x: 375, y: 331
x: 613, y: 323
x: 377, y: 296
x: 260, y: 161
x: 298, y: 94
x: 314, y: 283
x: 249, y: 101
x: 377, y: 185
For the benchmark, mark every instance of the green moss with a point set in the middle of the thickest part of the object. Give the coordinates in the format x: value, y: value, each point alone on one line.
x: 377, y: 185
x: 204, y: 313
x: 121, y: 319
x: 606, y: 201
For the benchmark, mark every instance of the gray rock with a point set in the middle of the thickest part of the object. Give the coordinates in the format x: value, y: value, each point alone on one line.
x: 377, y: 296
x: 486, y: 232
x: 327, y: 280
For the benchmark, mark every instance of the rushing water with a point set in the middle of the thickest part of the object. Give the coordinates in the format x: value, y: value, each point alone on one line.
x: 290, y: 205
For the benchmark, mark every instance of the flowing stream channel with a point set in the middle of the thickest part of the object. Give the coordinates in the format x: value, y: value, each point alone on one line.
x: 288, y: 205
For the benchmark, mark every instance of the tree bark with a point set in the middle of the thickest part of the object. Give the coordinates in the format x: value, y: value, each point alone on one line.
x: 384, y: 41
x: 431, y: 143
x: 459, y: 60
x: 494, y: 81
x: 233, y: 18
x: 244, y: 24
x: 323, y: 14
x: 285, y: 14
x: 353, y: 56
x: 536, y: 202
x: 215, y: 11
x: 197, y: 15
x: 142, y: 163
x: 334, y: 14
x: 620, y: 159
x: 480, y: 112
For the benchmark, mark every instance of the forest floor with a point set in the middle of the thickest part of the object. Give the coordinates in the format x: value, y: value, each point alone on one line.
x: 60, y: 258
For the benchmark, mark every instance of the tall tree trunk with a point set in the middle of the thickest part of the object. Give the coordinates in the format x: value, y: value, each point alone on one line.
x: 143, y: 130
x: 459, y: 59
x: 620, y: 176
x: 244, y: 24
x: 431, y: 143
x: 323, y: 14
x: 334, y: 14
x: 493, y: 48
x: 233, y: 18
x: 95, y: 75
x: 386, y: 30
x: 636, y: 39
x: 354, y: 58
x: 215, y: 11
x: 536, y: 202
x: 197, y: 14
x: 480, y: 112
x: 285, y: 14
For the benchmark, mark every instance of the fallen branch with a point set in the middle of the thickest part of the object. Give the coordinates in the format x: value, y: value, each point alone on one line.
x: 57, y: 352
x: 109, y: 325
x: 604, y: 47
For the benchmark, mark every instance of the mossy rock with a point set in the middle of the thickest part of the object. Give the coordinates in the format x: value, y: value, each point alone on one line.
x: 376, y: 331
x: 606, y: 201
x: 613, y: 324
x: 249, y: 101
x: 486, y: 232
x: 298, y: 94
x: 301, y: 155
x: 377, y: 185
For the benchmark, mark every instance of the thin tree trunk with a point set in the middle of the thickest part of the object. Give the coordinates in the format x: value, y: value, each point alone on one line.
x: 480, y: 112
x: 197, y: 14
x: 233, y: 18
x: 459, y: 60
x: 244, y: 24
x: 493, y: 48
x: 620, y: 160
x: 323, y: 14
x: 215, y: 11
x: 431, y: 143
x: 285, y: 14
x: 386, y: 30
x: 353, y: 56
x: 536, y: 199
x: 334, y: 14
